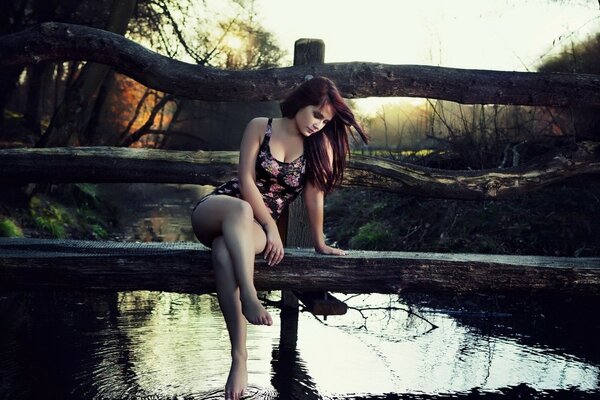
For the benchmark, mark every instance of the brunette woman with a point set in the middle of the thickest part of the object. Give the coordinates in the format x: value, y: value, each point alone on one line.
x: 304, y: 151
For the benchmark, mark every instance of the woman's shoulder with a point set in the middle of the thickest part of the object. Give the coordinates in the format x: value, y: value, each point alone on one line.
x: 258, y: 123
x: 256, y: 127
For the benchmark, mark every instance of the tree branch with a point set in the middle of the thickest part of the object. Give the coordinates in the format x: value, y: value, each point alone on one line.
x: 145, y: 128
x: 472, y: 184
x: 59, y: 42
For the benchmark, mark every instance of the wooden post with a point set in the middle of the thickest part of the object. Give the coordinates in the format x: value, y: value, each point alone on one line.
x: 306, y: 51
x: 293, y: 223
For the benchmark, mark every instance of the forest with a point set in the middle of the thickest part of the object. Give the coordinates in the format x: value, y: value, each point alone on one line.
x: 76, y: 103
x: 470, y: 220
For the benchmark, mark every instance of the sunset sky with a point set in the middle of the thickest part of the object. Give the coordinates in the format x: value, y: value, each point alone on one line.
x: 488, y: 34
x: 480, y: 34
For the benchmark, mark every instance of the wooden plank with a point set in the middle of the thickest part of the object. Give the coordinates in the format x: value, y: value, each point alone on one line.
x: 186, y: 267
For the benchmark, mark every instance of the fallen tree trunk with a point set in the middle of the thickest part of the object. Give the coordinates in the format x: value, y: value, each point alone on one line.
x: 63, y: 42
x: 116, y: 164
x: 185, y: 267
x: 500, y: 183
x: 107, y: 164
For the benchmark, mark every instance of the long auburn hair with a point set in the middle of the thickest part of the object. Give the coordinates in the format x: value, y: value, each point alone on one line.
x: 320, y: 171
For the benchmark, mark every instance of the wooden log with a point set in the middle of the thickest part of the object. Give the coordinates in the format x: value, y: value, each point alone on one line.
x: 116, y: 164
x: 186, y: 267
x: 109, y: 164
x: 63, y: 42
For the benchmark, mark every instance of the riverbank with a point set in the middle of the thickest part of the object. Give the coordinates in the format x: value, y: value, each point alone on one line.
x: 559, y: 220
x: 55, y: 211
x: 120, y: 212
x: 554, y: 221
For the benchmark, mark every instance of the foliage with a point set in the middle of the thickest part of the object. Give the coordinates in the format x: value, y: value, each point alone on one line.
x: 206, y: 34
x: 468, y: 136
x: 555, y: 221
x: 581, y: 57
x: 8, y: 228
x: 223, y: 34
x: 373, y: 236
x: 65, y: 211
x: 49, y: 216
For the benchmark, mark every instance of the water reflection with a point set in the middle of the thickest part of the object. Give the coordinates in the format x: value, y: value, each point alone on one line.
x: 404, y: 356
x: 167, y: 345
x: 153, y: 212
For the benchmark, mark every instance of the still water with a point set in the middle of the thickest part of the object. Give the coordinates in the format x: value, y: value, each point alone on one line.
x: 157, y: 345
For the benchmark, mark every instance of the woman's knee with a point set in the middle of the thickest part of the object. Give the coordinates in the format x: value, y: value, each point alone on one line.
x: 242, y: 210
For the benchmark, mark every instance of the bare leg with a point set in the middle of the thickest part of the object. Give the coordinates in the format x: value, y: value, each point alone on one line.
x: 238, y: 231
x: 229, y: 301
x: 224, y: 224
x: 233, y: 219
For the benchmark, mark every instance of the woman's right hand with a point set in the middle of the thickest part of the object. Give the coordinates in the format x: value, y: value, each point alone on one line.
x: 274, y: 249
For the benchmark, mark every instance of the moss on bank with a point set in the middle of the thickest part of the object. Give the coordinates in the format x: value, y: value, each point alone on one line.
x: 59, y: 211
x: 8, y: 228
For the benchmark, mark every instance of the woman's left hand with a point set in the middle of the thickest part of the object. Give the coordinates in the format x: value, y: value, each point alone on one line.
x: 330, y: 251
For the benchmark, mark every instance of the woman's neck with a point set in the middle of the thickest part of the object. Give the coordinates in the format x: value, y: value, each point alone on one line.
x: 288, y: 126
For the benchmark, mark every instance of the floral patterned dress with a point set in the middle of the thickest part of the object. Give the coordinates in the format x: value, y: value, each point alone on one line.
x: 279, y: 182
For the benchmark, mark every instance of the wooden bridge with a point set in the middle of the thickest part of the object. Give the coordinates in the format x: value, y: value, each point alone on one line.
x: 185, y: 267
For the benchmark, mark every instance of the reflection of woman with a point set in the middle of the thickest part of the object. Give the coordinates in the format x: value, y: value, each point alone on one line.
x: 279, y: 158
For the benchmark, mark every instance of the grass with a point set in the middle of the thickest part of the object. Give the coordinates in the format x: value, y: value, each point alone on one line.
x: 8, y: 228
x: 59, y: 212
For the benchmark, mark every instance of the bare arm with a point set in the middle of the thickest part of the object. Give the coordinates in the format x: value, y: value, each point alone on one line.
x: 249, y: 148
x: 314, y: 198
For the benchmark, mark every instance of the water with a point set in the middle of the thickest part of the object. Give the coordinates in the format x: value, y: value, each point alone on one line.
x: 141, y: 345
x: 157, y: 345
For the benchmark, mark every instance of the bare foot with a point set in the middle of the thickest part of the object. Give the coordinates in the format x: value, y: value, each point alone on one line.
x: 237, y: 380
x: 254, y: 312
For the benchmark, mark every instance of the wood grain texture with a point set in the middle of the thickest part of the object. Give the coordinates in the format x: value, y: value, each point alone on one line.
x: 186, y: 267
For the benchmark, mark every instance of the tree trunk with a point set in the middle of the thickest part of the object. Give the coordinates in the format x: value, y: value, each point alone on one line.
x: 33, y: 107
x: 71, y: 118
x: 110, y: 164
x: 8, y: 81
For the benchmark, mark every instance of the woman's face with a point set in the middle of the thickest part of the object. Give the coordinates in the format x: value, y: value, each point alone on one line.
x: 311, y: 119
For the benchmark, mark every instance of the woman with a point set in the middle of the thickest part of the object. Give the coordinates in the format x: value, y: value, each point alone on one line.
x: 305, y: 150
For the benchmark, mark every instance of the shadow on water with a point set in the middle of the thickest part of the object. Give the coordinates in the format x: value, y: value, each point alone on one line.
x: 157, y: 345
